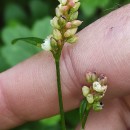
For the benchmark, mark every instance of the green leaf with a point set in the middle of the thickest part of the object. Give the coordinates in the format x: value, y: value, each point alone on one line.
x: 89, y: 7
x: 15, y: 31
x: 82, y: 109
x: 38, y: 8
x: 31, y: 40
x: 51, y: 121
x: 3, y: 63
x: 14, y: 12
x: 21, y: 51
x: 42, y: 28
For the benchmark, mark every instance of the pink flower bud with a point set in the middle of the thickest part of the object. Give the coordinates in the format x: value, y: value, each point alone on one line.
x: 64, y: 8
x: 75, y: 8
x: 68, y: 25
x: 71, y: 3
x: 102, y: 79
x: 91, y: 77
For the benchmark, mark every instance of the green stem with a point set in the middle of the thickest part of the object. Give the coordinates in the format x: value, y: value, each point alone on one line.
x: 57, y: 62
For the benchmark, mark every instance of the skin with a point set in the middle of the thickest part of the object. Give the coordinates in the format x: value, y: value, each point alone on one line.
x: 28, y: 91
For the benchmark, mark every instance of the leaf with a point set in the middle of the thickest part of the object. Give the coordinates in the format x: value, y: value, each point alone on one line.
x: 3, y: 63
x: 38, y: 8
x: 51, y: 121
x: 89, y: 7
x: 15, y: 31
x: 31, y: 40
x: 72, y: 117
x: 42, y: 28
x: 14, y: 12
x: 21, y: 51
x: 82, y: 109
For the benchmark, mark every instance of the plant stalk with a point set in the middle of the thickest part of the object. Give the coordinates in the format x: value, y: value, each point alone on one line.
x: 57, y: 62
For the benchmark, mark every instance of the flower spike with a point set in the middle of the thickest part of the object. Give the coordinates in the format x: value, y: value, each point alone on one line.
x: 93, y: 94
x: 65, y: 24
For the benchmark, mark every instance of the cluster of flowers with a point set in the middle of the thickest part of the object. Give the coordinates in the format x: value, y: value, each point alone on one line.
x: 96, y: 91
x: 64, y: 25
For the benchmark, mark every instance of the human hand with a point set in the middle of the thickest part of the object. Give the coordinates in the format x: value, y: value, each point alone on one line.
x: 28, y: 91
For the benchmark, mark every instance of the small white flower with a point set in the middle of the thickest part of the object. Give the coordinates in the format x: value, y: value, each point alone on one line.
x: 54, y: 23
x: 90, y: 98
x: 60, y: 1
x: 60, y: 7
x: 75, y: 1
x: 64, y: 2
x: 85, y: 90
x: 58, y: 12
x: 47, y: 44
x: 97, y: 87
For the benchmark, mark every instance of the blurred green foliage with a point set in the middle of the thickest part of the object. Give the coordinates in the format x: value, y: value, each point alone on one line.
x: 22, y: 18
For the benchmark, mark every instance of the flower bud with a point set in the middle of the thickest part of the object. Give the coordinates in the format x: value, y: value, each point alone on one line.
x: 104, y: 88
x: 85, y: 91
x: 90, y: 98
x: 91, y: 77
x: 70, y: 32
x: 76, y: 1
x: 71, y: 3
x: 54, y: 23
x: 76, y: 23
x: 88, y: 77
x: 58, y: 12
x: 102, y: 79
x: 97, y: 106
x: 62, y: 22
x: 98, y: 88
x: 63, y: 2
x: 47, y: 45
x: 53, y: 43
x: 73, y: 16
x: 75, y: 8
x: 72, y: 39
x: 60, y: 1
x: 98, y: 97
x: 57, y: 34
x: 63, y: 8
x: 68, y: 25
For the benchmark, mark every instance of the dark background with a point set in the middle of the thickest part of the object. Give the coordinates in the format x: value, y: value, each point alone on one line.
x: 24, y: 18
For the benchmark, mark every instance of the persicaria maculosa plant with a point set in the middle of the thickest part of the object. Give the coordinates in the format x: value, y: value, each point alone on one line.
x: 65, y: 25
